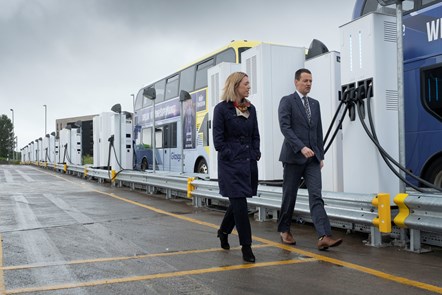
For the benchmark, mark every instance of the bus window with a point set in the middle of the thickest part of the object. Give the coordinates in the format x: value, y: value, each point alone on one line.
x: 172, y: 87
x: 432, y: 90
x: 146, y: 102
x: 146, y: 137
x: 201, y: 73
x: 187, y: 79
x: 166, y: 136
x: 226, y: 56
x: 139, y: 100
x: 373, y: 5
x: 173, y: 135
x: 159, y: 88
x: 428, y: 2
x: 158, y: 137
x: 241, y: 50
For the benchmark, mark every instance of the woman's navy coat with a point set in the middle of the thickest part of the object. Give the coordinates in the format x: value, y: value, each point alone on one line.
x: 236, y: 139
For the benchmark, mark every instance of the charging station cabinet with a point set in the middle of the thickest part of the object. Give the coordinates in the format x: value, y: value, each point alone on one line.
x: 326, y: 74
x: 217, y: 77
x: 117, y: 128
x: 57, y: 150
x: 40, y: 150
x: 64, y: 145
x: 271, y: 69
x: 53, y: 152
x: 368, y: 51
x: 31, y: 152
x: 46, y: 149
x: 70, y: 146
x: 75, y: 146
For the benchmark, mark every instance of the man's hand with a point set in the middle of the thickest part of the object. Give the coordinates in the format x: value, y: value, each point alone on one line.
x: 308, y: 153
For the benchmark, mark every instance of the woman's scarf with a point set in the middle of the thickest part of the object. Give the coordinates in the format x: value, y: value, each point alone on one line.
x: 242, y: 108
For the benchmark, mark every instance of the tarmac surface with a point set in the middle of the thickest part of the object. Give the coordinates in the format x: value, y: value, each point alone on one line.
x: 62, y: 234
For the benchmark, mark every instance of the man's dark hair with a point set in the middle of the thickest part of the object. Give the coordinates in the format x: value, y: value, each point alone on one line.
x: 300, y: 71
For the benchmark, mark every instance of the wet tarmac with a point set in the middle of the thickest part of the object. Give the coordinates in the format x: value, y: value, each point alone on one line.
x: 62, y: 234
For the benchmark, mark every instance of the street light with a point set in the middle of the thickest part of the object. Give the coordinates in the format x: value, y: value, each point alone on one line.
x: 13, y: 135
x: 46, y: 118
x: 150, y: 93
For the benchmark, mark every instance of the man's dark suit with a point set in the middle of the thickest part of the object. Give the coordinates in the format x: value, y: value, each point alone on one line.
x: 298, y: 133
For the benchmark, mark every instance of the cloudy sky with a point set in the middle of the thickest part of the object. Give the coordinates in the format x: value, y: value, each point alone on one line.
x: 80, y: 57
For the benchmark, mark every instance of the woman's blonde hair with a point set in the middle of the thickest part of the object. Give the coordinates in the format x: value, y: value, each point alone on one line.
x: 232, y: 83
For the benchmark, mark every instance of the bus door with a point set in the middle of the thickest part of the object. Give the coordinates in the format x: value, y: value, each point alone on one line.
x: 166, y: 144
x: 161, y: 151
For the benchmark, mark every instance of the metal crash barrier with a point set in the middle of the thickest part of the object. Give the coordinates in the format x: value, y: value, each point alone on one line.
x: 354, y: 212
x: 422, y: 215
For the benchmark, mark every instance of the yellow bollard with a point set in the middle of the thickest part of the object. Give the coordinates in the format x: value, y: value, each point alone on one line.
x: 85, y: 172
x: 113, y: 175
x: 65, y: 168
x: 383, y: 221
x: 399, y: 200
x: 190, y: 187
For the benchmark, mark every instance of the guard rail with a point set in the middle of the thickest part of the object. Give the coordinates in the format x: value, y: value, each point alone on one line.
x: 349, y: 211
x: 354, y: 212
x: 422, y: 215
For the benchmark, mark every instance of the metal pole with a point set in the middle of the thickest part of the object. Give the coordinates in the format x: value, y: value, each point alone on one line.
x: 153, y: 141
x: 400, y: 88
x: 45, y: 119
x: 120, y: 140
x: 182, y: 136
x: 13, y: 135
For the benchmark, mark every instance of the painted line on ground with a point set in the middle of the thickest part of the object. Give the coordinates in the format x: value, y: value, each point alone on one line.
x: 122, y: 258
x: 158, y: 276
x: 2, y: 278
x: 363, y: 269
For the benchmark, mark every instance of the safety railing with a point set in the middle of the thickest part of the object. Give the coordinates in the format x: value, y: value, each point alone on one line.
x: 354, y: 212
x: 422, y: 215
x: 168, y: 183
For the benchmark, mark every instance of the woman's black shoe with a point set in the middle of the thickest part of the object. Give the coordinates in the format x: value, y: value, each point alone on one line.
x: 223, y: 237
x: 247, y: 254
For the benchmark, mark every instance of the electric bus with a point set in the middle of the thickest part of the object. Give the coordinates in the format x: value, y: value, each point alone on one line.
x: 422, y: 45
x: 181, y: 125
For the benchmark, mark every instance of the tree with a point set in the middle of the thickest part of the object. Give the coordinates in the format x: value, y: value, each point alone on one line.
x: 6, y: 137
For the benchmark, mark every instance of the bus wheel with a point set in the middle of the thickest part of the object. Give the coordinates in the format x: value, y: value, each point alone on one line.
x: 144, y: 165
x: 202, y: 167
x: 434, y: 173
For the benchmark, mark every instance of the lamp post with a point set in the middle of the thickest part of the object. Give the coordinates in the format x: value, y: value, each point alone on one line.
x: 46, y: 117
x: 13, y: 135
x: 150, y: 93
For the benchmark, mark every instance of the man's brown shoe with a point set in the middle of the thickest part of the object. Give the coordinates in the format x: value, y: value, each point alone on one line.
x: 326, y: 241
x: 287, y: 238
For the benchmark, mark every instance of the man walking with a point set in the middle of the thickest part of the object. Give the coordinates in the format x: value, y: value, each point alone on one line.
x: 302, y: 156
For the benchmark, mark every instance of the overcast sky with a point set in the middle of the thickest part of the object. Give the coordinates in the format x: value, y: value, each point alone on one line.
x: 80, y: 57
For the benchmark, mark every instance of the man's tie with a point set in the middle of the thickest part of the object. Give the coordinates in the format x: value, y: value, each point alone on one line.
x: 307, y: 108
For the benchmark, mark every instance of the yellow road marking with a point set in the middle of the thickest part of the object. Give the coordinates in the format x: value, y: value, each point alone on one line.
x: 363, y: 269
x: 2, y: 278
x: 112, y: 259
x: 158, y: 276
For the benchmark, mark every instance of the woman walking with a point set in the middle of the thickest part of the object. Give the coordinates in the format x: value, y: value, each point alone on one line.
x: 236, y: 138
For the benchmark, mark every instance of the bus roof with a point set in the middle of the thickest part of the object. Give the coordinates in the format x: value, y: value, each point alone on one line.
x: 233, y: 44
